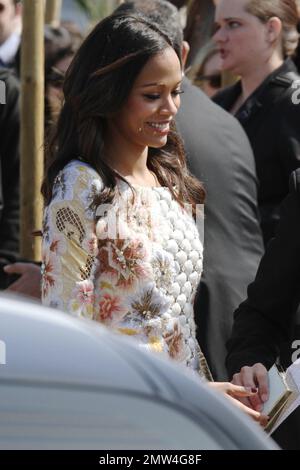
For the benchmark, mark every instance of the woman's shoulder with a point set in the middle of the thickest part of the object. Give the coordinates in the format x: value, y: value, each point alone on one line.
x: 78, y: 171
x: 285, y: 81
x: 76, y: 177
x: 81, y: 169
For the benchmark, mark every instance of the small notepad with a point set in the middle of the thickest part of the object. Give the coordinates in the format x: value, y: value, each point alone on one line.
x: 284, y: 396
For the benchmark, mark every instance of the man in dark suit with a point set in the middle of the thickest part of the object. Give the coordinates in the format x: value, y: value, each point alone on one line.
x: 10, y: 31
x: 9, y: 171
x: 265, y: 321
x: 219, y: 154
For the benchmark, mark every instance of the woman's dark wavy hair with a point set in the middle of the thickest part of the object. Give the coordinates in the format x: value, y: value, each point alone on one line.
x: 97, y: 85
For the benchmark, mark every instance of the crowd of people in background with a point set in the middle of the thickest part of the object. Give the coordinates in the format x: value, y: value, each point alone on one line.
x: 137, y: 115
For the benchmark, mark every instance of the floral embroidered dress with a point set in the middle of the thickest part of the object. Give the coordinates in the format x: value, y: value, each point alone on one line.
x: 133, y: 265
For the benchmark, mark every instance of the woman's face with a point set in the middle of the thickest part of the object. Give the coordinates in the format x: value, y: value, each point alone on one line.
x: 153, y: 102
x: 241, y: 37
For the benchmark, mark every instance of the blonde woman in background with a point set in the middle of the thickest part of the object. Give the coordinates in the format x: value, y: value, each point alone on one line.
x: 256, y: 41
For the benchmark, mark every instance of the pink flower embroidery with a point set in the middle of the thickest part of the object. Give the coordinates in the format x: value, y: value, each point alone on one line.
x: 58, y: 245
x: 84, y: 292
x: 110, y: 305
x: 128, y: 259
x: 54, y: 246
x: 175, y: 342
x: 49, y: 272
x: 82, y: 302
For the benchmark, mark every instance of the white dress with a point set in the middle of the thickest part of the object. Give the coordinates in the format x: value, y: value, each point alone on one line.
x: 133, y: 265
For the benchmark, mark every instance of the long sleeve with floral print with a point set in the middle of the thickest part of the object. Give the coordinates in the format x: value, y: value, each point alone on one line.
x: 133, y: 265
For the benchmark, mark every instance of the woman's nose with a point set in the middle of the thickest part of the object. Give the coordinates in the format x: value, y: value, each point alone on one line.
x: 220, y: 35
x: 169, y: 107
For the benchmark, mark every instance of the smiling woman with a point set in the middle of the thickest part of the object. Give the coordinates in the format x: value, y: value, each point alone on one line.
x: 117, y: 160
x: 120, y: 243
x: 145, y: 119
x: 108, y: 105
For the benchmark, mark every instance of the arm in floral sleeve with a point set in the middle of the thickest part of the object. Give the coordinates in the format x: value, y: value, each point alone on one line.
x: 70, y: 242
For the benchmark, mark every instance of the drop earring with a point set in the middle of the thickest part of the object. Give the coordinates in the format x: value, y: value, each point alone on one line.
x: 140, y: 129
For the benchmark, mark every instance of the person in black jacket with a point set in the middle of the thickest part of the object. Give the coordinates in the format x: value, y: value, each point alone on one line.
x: 265, y: 321
x: 256, y: 45
x: 219, y: 154
x: 9, y: 171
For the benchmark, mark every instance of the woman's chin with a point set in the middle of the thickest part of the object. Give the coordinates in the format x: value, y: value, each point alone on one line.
x: 227, y: 67
x: 158, y: 143
x: 230, y: 67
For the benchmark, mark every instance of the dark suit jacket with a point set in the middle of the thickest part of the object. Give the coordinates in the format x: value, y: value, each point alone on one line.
x: 272, y: 123
x: 266, y: 318
x: 220, y: 156
x: 9, y: 169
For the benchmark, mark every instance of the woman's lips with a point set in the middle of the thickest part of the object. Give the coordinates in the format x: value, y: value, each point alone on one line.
x: 161, y: 128
x: 223, y: 53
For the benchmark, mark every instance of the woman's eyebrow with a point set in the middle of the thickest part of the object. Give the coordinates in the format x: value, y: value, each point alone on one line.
x: 232, y: 18
x: 158, y: 84
x: 152, y: 84
x: 227, y: 19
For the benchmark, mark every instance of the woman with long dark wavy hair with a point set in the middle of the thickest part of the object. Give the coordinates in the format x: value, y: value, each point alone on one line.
x: 120, y: 246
